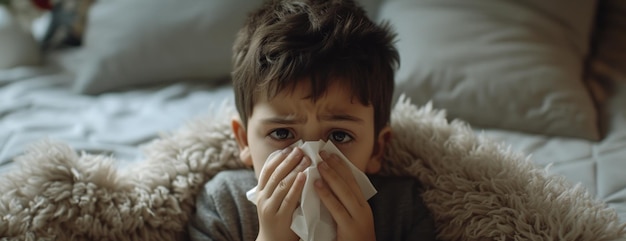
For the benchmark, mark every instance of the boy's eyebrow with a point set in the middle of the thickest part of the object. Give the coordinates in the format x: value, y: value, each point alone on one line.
x: 342, y: 117
x: 287, y: 120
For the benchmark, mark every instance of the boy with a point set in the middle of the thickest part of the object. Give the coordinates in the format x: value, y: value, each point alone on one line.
x: 310, y: 70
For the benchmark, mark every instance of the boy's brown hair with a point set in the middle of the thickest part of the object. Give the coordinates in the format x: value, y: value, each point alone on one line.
x: 286, y: 41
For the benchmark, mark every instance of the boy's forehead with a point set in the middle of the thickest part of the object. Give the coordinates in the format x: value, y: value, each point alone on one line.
x: 290, y: 103
x: 303, y: 89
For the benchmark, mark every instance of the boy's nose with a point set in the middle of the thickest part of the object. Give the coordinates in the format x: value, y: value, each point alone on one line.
x: 313, y: 139
x: 313, y: 133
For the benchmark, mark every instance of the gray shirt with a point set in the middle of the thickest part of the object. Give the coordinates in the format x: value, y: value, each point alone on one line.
x: 224, y: 213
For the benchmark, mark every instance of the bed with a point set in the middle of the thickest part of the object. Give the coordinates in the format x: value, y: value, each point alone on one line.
x: 543, y: 80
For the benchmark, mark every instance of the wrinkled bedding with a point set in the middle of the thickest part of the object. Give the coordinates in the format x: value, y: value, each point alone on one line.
x: 37, y: 103
x: 598, y: 166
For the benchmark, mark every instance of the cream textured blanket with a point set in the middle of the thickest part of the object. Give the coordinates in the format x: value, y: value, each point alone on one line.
x: 477, y: 189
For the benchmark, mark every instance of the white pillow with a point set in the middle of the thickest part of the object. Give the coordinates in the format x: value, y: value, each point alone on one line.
x: 135, y: 42
x: 17, y: 46
x: 499, y: 64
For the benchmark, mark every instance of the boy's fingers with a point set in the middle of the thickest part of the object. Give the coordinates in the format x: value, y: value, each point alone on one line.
x: 343, y: 172
x: 343, y: 184
x: 285, y: 186
x: 275, y: 171
x: 270, y: 165
x: 283, y: 169
x: 337, y: 210
x: 292, y: 198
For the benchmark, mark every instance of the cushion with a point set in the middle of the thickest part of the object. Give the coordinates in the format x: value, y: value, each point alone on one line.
x: 17, y: 46
x: 130, y: 43
x: 475, y: 188
x: 513, y: 65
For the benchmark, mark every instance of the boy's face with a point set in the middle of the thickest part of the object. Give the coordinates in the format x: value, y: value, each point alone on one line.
x: 291, y: 116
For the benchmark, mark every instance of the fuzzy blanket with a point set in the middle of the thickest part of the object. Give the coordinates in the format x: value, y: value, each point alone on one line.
x: 477, y: 189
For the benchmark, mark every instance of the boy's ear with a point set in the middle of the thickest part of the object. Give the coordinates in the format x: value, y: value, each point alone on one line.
x: 241, y: 136
x: 380, y: 145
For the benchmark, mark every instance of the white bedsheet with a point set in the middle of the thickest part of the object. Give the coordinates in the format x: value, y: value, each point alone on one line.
x: 37, y: 104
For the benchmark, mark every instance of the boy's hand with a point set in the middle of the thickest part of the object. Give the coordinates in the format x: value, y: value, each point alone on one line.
x: 280, y: 186
x: 341, y: 194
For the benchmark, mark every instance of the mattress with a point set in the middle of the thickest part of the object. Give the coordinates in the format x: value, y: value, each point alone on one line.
x: 38, y: 104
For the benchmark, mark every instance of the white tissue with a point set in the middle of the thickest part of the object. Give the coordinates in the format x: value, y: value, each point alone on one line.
x: 311, y: 220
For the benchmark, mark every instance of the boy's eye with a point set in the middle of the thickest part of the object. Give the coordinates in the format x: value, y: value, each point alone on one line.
x: 339, y: 137
x: 281, y: 134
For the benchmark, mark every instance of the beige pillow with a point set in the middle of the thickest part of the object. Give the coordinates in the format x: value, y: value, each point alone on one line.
x: 513, y: 65
x: 139, y: 42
